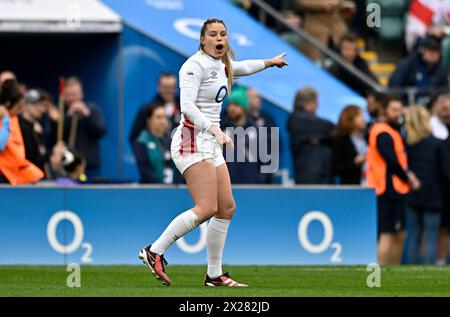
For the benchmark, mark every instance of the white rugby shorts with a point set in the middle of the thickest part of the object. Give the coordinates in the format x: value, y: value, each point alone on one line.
x: 190, y: 145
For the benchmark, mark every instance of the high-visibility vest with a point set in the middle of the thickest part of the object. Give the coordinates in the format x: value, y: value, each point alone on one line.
x: 376, y: 165
x: 13, y: 164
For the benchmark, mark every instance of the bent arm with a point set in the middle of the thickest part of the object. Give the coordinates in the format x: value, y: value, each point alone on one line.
x: 385, y: 145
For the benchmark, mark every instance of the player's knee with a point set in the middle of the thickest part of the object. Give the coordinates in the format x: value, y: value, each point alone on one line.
x: 213, y: 209
x: 230, y: 208
x: 208, y: 209
x: 227, y: 210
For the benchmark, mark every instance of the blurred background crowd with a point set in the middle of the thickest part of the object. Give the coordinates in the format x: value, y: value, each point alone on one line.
x: 399, y: 143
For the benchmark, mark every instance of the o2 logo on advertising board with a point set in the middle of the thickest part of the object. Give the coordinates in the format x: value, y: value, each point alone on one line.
x: 327, y: 240
x: 78, y: 236
x: 197, y: 247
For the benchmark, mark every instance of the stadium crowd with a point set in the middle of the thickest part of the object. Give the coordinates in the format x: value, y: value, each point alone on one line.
x: 403, y: 151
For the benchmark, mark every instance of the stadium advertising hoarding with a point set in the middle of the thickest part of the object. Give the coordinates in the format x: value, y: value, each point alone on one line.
x: 290, y: 226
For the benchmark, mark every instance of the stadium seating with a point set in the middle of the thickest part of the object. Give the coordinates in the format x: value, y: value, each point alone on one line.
x: 393, y: 19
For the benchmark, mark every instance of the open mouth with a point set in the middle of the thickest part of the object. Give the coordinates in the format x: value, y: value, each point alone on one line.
x: 219, y: 47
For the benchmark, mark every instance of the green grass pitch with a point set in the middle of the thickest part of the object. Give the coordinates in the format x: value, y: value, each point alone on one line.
x: 263, y: 281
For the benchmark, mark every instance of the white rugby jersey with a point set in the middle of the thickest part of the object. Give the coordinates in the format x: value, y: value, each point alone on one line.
x: 204, y: 86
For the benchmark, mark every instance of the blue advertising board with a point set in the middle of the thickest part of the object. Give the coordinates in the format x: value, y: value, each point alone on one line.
x: 296, y: 226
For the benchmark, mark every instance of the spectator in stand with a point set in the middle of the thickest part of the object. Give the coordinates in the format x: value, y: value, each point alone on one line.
x: 152, y: 146
x: 429, y: 159
x: 5, y: 75
x: 32, y: 131
x: 440, y: 123
x: 358, y: 22
x: 261, y: 119
x: 49, y: 120
x: 288, y: 8
x: 440, y: 118
x: 387, y: 172
x: 311, y: 141
x: 69, y: 164
x: 14, y: 167
x: 350, y: 147
x: 324, y: 21
x: 74, y: 166
x: 167, y: 96
x: 435, y: 100
x: 259, y: 116
x: 422, y: 69
x: 348, y: 49
x: 292, y: 17
x: 245, y: 165
x: 374, y: 107
x: 91, y: 126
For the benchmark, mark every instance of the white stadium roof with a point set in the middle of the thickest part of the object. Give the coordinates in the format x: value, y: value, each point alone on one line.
x: 60, y: 16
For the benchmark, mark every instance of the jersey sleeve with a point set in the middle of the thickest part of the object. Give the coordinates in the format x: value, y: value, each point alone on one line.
x: 247, y: 67
x: 191, y: 75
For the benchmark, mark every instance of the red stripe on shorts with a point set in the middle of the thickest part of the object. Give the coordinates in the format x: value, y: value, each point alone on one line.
x: 188, y: 134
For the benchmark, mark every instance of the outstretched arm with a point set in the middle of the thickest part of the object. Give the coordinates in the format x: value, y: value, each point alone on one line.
x: 248, y: 67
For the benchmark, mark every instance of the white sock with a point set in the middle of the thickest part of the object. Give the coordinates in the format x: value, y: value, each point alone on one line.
x: 182, y: 224
x: 215, y: 241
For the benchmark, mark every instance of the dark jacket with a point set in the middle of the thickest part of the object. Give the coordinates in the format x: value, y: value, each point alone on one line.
x: 343, y: 161
x: 35, y: 150
x: 311, y: 144
x: 446, y: 217
x: 150, y: 152
x: 263, y: 120
x: 140, y: 120
x: 350, y: 80
x: 50, y: 132
x: 430, y: 161
x: 412, y: 72
x: 89, y: 132
x: 249, y: 171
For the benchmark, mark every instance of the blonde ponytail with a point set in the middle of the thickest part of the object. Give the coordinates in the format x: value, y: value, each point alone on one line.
x: 226, y: 59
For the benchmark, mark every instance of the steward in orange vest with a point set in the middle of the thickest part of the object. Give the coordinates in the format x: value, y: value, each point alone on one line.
x: 379, y: 169
x: 13, y: 164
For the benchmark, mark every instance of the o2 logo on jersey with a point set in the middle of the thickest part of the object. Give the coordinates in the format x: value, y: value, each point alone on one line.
x: 327, y: 240
x: 221, y: 94
x: 77, y: 240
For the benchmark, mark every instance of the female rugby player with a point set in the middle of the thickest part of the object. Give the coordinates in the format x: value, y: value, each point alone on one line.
x: 205, y: 79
